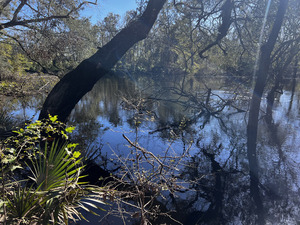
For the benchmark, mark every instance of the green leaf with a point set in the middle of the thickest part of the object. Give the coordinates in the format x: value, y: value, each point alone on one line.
x: 70, y: 129
x: 76, y: 154
x: 16, y: 167
x: 72, y: 145
x: 53, y: 118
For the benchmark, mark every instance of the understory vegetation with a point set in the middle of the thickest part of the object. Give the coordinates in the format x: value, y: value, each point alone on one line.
x: 43, y: 180
x: 40, y: 177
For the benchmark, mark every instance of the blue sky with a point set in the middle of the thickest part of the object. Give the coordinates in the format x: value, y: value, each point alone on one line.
x: 106, y: 6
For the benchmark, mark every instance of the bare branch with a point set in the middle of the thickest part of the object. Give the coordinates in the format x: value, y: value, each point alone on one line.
x: 223, y: 28
x: 144, y: 151
x: 15, y: 17
x: 15, y: 22
x: 25, y: 22
x: 33, y: 9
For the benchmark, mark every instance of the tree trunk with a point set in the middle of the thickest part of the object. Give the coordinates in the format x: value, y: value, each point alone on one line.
x: 295, y: 71
x: 75, y: 84
x: 277, y: 86
x: 271, y: 98
x: 252, y: 126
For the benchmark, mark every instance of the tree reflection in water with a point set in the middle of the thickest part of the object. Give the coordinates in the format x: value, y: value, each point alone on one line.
x: 213, y: 122
x: 217, y: 169
x: 207, y: 127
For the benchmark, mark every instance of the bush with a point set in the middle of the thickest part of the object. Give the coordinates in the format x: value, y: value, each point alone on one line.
x: 39, y: 173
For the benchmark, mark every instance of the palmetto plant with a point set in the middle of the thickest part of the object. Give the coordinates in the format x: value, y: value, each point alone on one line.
x: 52, y: 193
x: 21, y: 206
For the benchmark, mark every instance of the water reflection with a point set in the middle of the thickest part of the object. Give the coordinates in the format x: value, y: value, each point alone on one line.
x: 209, y: 123
x: 15, y: 112
x: 205, y: 124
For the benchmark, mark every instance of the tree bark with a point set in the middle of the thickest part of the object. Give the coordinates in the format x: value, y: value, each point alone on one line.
x: 252, y: 127
x: 74, y: 85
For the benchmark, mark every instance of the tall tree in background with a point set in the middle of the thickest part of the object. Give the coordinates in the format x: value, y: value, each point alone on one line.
x: 109, y: 27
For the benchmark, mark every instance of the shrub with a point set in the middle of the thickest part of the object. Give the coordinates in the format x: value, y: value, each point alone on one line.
x: 40, y: 172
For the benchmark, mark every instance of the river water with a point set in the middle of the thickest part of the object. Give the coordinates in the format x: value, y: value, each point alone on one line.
x: 197, y: 132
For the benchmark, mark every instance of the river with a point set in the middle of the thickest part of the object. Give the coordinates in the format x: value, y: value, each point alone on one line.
x: 195, y: 133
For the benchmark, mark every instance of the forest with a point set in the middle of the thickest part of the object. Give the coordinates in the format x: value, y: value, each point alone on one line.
x: 177, y: 112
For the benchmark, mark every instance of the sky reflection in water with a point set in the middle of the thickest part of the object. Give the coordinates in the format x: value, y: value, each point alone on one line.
x: 103, y: 117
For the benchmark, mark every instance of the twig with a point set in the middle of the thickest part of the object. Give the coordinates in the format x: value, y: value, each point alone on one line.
x: 144, y: 151
x: 43, y: 86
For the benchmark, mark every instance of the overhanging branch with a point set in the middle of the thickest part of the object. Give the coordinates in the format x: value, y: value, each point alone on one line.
x: 223, y: 28
x: 15, y: 22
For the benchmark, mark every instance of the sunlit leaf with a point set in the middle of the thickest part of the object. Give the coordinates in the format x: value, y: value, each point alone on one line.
x: 53, y: 118
x: 70, y: 129
x: 76, y: 154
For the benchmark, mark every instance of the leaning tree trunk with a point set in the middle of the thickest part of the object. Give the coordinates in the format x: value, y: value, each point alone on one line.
x: 75, y: 84
x: 252, y: 126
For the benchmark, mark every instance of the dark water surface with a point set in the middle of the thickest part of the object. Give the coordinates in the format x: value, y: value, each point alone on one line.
x: 201, y: 131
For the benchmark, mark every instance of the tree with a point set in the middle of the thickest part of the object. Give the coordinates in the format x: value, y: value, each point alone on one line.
x: 35, y: 27
x: 61, y: 49
x: 252, y: 127
x: 74, y: 85
x: 108, y: 28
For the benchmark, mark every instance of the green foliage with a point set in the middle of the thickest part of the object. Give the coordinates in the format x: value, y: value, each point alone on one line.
x: 40, y: 172
x: 12, y: 61
x: 8, y: 88
x: 28, y: 139
x: 21, y: 206
x: 62, y: 49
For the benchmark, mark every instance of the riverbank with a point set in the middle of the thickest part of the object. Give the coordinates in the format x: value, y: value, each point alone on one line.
x: 27, y: 84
